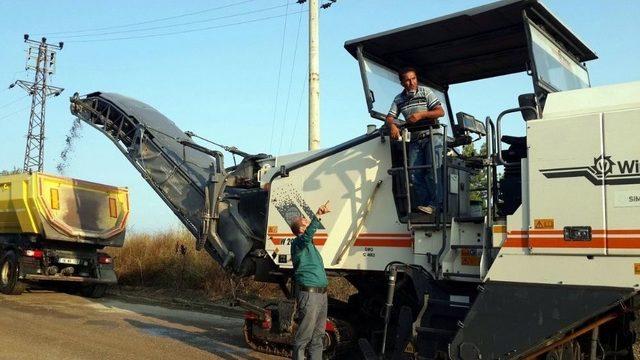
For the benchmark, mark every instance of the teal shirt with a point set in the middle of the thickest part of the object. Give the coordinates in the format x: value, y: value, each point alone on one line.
x: 307, y: 262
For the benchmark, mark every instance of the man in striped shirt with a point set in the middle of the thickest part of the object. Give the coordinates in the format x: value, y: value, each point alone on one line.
x: 419, y: 105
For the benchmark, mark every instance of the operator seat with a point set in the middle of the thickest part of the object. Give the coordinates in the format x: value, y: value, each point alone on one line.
x: 510, y: 184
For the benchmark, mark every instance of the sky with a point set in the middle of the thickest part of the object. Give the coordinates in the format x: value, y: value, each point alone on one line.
x: 236, y: 73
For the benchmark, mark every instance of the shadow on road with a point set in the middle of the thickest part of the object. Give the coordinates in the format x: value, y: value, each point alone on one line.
x: 219, y: 333
x: 224, y: 343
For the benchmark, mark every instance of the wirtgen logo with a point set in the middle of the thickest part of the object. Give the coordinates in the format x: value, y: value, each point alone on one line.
x: 603, y: 171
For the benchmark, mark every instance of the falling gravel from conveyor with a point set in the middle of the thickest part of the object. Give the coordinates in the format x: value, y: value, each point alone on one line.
x: 72, y: 136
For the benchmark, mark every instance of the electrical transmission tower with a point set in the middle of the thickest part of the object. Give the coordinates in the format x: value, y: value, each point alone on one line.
x: 42, y: 60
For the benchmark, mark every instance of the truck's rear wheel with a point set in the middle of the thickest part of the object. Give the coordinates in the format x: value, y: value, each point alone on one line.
x: 94, y: 291
x: 9, y: 270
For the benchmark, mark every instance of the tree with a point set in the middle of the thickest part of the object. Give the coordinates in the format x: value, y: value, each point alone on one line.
x: 11, y: 172
x: 479, y: 180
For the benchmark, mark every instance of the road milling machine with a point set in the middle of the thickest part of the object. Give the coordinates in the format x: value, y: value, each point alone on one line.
x: 548, y: 267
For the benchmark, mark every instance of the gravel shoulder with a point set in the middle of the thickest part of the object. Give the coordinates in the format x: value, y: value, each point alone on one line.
x: 124, y: 325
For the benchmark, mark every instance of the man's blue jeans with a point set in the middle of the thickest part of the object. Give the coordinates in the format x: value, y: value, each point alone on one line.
x: 312, y: 318
x: 425, y: 190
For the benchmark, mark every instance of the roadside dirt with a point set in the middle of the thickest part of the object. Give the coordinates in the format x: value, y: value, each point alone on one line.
x: 184, y: 300
x: 125, y: 325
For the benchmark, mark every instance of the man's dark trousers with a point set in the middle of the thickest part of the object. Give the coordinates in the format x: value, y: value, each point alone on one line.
x: 312, y: 318
x: 426, y: 190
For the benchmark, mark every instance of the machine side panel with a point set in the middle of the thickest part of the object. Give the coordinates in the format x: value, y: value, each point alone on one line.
x: 622, y: 188
x: 593, y: 100
x: 560, y: 152
x: 584, y: 181
x: 348, y: 180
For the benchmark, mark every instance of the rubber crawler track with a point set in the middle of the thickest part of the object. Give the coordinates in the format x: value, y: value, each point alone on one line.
x: 341, y: 340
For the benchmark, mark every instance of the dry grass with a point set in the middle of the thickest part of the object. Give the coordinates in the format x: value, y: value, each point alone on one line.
x: 168, y: 260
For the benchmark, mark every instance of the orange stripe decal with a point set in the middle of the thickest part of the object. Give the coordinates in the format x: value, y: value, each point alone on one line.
x: 516, y: 243
x: 383, y: 242
x: 279, y: 241
x: 617, y: 231
x: 611, y: 239
x: 624, y: 243
x: 405, y: 241
x: 561, y: 243
x: 386, y: 235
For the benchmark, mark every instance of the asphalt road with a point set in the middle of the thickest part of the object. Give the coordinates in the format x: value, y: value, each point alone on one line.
x: 50, y: 325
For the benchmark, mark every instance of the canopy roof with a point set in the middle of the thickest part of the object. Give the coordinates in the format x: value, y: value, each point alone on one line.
x: 474, y: 44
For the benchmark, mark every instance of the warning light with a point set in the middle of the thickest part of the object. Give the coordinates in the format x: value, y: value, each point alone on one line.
x: 55, y: 199
x: 113, y: 208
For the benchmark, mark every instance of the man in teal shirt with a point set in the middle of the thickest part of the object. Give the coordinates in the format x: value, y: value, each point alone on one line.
x: 311, y: 287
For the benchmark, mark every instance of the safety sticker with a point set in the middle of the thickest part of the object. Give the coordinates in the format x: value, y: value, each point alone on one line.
x: 499, y: 229
x: 470, y: 257
x: 636, y: 268
x: 543, y: 223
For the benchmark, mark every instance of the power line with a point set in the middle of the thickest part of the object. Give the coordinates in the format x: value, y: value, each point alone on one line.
x: 275, y: 106
x: 13, y: 113
x: 180, y: 24
x: 186, y: 31
x: 297, y: 118
x: 293, y: 65
x: 149, y: 21
x: 13, y: 102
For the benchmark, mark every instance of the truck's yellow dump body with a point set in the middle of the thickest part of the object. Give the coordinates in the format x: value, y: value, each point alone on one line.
x: 60, y: 208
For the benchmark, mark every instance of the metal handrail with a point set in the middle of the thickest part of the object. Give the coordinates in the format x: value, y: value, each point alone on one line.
x: 443, y: 208
x: 488, y: 231
x: 499, y: 130
x: 405, y: 167
x: 490, y: 164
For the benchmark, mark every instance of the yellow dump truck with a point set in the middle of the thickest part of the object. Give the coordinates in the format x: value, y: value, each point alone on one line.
x: 53, y: 228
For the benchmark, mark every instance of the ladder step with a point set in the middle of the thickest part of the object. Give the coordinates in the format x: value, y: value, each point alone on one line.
x: 449, y: 303
x: 449, y: 274
x: 425, y: 226
x: 400, y: 169
x: 424, y: 221
x: 422, y: 217
x: 471, y: 219
x: 456, y: 247
x: 434, y: 331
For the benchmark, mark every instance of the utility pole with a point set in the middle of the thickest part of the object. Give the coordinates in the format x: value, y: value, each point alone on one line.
x: 314, y: 77
x: 314, y: 71
x: 44, y: 65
